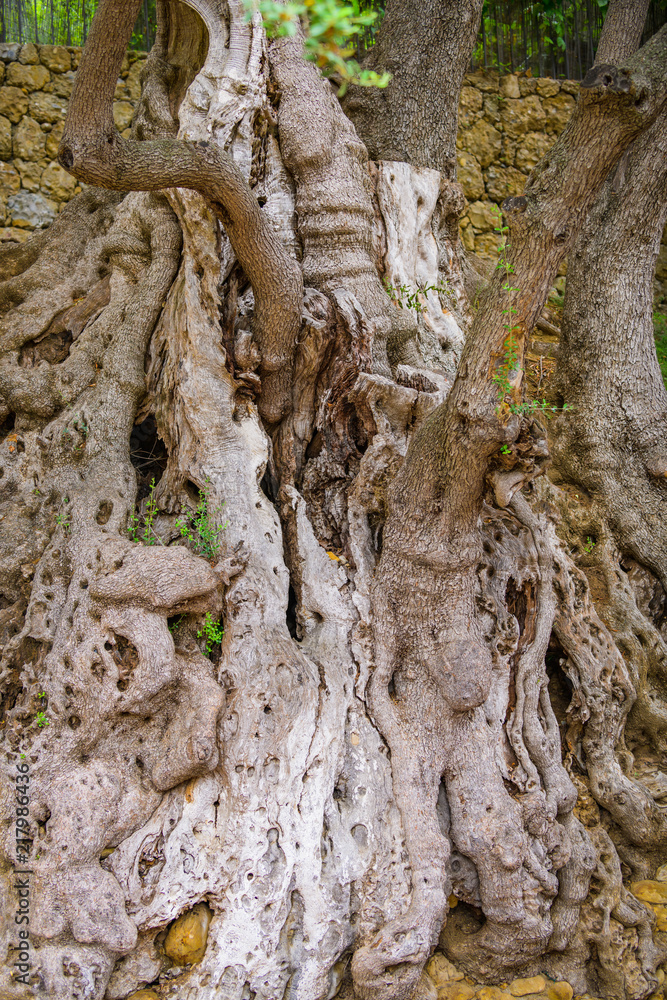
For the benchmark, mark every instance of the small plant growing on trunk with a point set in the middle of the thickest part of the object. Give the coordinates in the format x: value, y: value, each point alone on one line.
x: 199, y: 528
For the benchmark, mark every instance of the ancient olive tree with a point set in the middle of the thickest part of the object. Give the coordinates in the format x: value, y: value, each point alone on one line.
x: 245, y: 323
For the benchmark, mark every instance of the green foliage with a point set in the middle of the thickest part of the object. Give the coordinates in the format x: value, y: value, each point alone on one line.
x: 330, y: 28
x: 176, y: 625
x: 213, y: 632
x: 660, y: 330
x: 405, y: 297
x: 41, y: 720
x: 589, y: 544
x: 506, y: 450
x: 147, y: 534
x: 64, y: 518
x: 200, y: 528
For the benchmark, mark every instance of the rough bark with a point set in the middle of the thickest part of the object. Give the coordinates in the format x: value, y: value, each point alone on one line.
x: 426, y: 46
x: 376, y: 728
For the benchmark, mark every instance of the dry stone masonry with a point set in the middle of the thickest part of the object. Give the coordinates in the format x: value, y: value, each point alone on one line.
x: 506, y: 124
x: 35, y: 85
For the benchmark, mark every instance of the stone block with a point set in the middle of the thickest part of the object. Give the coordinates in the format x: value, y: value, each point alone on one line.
x: 486, y: 82
x: 524, y: 115
x: 508, y: 151
x: 13, y: 103
x: 56, y: 58
x: 5, y: 138
x: 456, y: 991
x: 30, y: 173
x: 570, y: 87
x: 470, y: 105
x: 29, y: 55
x: 29, y: 77
x: 492, y: 108
x: 122, y: 114
x: 9, y: 51
x: 546, y: 87
x: 492, y: 993
x: 10, y: 181
x: 185, y: 943
x: 442, y: 972
x: 484, y: 141
x: 531, y: 149
x: 133, y: 81
x: 527, y: 85
x: 57, y: 183
x: 29, y: 140
x: 650, y: 892
x: 3, y: 72
x: 47, y: 107
x: 482, y: 216
x: 31, y: 211
x: 558, y: 110
x: 11, y: 234
x: 559, y: 991
x: 509, y: 86
x: 61, y: 85
x: 75, y: 55
x: 486, y: 246
x: 468, y: 238
x: 522, y: 987
x: 53, y: 140
x: 503, y: 182
x: 470, y: 176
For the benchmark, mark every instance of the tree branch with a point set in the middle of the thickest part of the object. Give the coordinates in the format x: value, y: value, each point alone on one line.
x: 94, y: 152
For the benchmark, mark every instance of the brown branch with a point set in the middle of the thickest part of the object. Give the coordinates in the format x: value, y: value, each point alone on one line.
x: 94, y: 152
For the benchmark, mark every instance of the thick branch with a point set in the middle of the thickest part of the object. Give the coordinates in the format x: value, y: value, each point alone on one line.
x: 94, y: 152
x: 426, y: 46
x: 622, y: 31
x: 450, y: 455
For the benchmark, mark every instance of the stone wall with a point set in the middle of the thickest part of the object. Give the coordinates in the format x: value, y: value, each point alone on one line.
x: 35, y: 85
x: 506, y: 125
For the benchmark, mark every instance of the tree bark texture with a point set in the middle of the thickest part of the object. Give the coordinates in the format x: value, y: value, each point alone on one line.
x: 377, y: 730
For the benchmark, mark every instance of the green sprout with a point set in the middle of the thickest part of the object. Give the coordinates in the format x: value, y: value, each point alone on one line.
x: 200, y: 529
x: 213, y: 632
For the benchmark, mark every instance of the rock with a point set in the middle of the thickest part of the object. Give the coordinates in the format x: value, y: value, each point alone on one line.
x: 661, y: 874
x: 12, y: 235
x: 122, y: 114
x: 29, y: 55
x: 509, y: 86
x: 531, y: 150
x: 558, y: 110
x: 650, y: 892
x: 508, y: 151
x: 10, y: 181
x: 546, y: 87
x: 522, y: 987
x: 5, y: 138
x: 456, y: 991
x: 10, y: 52
x: 484, y: 141
x: 133, y: 81
x: 661, y: 918
x: 30, y: 173
x: 53, y: 140
x: 442, y: 972
x: 470, y: 105
x: 61, y: 85
x: 468, y: 238
x: 525, y: 115
x: 559, y: 991
x: 56, y: 58
x: 504, y: 182
x: 31, y: 211
x: 492, y: 993
x: 47, y: 107
x: 57, y: 183
x: 469, y: 175
x: 144, y: 995
x: 482, y: 216
x: 492, y: 108
x: 486, y: 246
x: 29, y: 140
x: 185, y: 943
x: 527, y: 85
x: 30, y: 77
x: 570, y: 87
x: 13, y: 104
x: 487, y: 82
